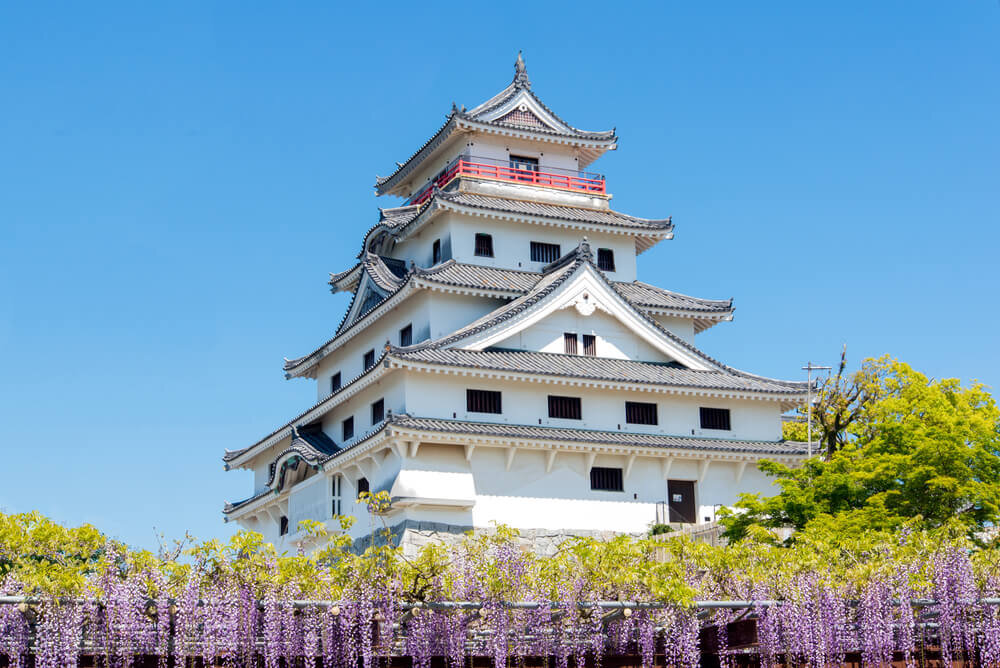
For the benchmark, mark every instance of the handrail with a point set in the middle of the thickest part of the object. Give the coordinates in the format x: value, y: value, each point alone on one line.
x: 491, y: 168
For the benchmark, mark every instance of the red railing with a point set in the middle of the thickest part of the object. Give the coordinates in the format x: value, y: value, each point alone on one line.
x: 488, y: 168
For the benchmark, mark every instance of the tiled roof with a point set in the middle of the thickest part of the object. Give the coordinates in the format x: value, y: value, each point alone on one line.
x: 462, y: 275
x: 596, y: 368
x: 594, y: 436
x: 644, y: 294
x: 556, y: 212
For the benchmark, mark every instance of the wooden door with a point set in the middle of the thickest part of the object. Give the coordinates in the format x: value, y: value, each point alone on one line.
x: 680, y: 500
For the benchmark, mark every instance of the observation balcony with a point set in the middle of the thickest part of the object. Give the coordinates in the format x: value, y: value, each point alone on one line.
x: 514, y: 171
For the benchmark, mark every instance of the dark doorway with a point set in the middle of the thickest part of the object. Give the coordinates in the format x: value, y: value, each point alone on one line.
x: 680, y: 500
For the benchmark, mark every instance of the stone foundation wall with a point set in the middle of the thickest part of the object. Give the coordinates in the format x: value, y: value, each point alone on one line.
x: 413, y: 535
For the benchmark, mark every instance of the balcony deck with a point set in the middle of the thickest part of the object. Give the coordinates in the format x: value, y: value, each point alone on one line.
x: 496, y: 170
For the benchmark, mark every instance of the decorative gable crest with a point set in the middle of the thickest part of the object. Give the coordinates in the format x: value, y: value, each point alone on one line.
x: 523, y: 118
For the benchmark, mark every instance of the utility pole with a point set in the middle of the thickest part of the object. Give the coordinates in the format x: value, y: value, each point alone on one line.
x: 809, y: 368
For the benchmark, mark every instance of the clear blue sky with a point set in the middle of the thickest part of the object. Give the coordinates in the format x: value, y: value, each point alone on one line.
x: 177, y: 182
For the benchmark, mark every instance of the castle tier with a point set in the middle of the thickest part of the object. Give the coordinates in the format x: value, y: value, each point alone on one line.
x: 500, y: 362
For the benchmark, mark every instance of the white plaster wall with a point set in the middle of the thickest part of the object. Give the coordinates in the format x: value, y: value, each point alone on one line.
x: 613, y: 338
x: 682, y: 327
x: 389, y: 389
x: 420, y: 246
x: 308, y: 500
x: 527, y: 403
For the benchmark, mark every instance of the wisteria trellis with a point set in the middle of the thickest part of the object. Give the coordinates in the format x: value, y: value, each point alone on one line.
x: 497, y: 601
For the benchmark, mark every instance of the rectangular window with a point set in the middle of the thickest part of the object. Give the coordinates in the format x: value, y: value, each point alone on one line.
x: 680, y: 500
x: 363, y: 486
x: 378, y: 411
x: 590, y: 345
x: 482, y: 401
x: 606, y: 479
x: 335, y: 489
x: 569, y: 343
x: 334, y: 382
x: 347, y: 429
x: 436, y: 252
x: 605, y: 259
x: 544, y: 252
x: 283, y: 526
x: 715, y: 418
x: 484, y: 245
x: 567, y: 408
x: 640, y: 413
x: 369, y: 359
x: 524, y: 162
x: 406, y: 336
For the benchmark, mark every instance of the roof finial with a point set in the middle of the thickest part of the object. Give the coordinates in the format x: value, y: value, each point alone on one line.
x: 521, y: 73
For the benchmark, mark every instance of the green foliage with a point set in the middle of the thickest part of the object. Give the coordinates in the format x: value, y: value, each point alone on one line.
x: 909, y: 451
x: 35, y: 549
x: 659, y: 529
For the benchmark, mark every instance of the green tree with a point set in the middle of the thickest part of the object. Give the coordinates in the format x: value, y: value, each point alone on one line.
x: 897, y: 447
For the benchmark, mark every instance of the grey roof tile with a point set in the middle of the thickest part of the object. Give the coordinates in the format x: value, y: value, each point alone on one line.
x: 596, y: 368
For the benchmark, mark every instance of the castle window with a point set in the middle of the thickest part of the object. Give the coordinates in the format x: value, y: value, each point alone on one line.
x: 482, y: 401
x: 640, y: 413
x: 544, y: 252
x: 715, y: 418
x: 347, y: 429
x: 363, y: 486
x: 334, y: 382
x: 605, y: 479
x: 484, y: 245
x: 406, y: 336
x: 590, y: 345
x: 436, y: 252
x: 335, y: 490
x: 378, y: 411
x: 569, y: 343
x: 369, y: 359
x: 605, y: 259
x: 524, y: 162
x: 283, y: 526
x: 567, y: 408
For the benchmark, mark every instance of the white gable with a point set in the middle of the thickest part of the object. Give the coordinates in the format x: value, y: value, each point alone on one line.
x: 582, y: 295
x: 524, y: 109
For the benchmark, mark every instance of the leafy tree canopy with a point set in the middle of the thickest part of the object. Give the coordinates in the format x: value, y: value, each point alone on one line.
x: 898, y: 448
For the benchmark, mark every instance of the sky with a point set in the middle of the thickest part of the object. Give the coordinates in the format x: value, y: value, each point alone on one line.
x: 178, y: 180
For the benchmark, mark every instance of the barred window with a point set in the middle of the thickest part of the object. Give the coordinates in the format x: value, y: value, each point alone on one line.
x: 335, y: 382
x: 484, y: 245
x: 567, y: 408
x: 378, y: 411
x: 524, y: 162
x: 590, y: 345
x: 544, y: 252
x: 569, y: 343
x: 606, y: 479
x: 363, y: 486
x: 637, y: 412
x: 482, y: 401
x: 436, y: 252
x: 335, y: 488
x: 369, y: 359
x: 347, y: 429
x: 406, y: 336
x: 605, y: 259
x: 715, y: 418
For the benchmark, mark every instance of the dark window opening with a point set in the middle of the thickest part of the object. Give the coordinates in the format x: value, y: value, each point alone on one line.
x: 484, y: 245
x: 363, y: 486
x: 567, y: 408
x: 637, y: 412
x: 715, y: 418
x: 569, y: 343
x: 436, y: 252
x: 283, y: 526
x: 680, y: 500
x: 335, y: 493
x: 544, y: 252
x: 482, y: 401
x: 590, y: 345
x: 606, y: 479
x: 524, y: 162
x: 378, y: 411
x: 369, y: 360
x: 335, y: 382
x: 347, y: 429
x: 406, y: 336
x: 605, y: 259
